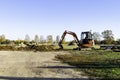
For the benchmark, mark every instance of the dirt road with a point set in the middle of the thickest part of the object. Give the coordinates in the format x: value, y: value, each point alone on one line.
x: 34, y: 65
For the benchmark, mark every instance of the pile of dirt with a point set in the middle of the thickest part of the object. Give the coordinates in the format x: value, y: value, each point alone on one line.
x: 42, y: 48
x: 28, y: 48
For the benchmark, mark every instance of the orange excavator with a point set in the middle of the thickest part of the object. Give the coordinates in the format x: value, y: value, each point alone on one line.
x: 85, y: 42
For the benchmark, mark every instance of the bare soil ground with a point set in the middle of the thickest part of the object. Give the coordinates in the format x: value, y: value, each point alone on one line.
x: 16, y: 64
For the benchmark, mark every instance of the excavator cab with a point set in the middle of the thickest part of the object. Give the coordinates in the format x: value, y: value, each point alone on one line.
x: 86, y: 39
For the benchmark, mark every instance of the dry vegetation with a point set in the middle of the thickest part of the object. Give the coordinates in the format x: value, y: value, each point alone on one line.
x: 28, y: 48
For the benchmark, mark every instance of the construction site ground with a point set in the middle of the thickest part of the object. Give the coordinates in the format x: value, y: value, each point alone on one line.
x: 35, y: 65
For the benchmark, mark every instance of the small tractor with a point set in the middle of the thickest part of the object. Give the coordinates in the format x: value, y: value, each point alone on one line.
x: 85, y: 42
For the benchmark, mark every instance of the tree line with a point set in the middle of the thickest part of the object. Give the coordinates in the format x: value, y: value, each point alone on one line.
x: 106, y: 37
x: 37, y: 40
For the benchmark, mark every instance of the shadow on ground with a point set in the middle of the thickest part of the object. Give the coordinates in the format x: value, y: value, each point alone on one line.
x: 86, y: 65
x: 34, y: 78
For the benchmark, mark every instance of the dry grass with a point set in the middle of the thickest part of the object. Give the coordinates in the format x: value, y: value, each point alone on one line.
x: 28, y: 48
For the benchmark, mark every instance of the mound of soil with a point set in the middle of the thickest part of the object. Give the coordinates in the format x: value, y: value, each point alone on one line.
x: 28, y: 48
x: 42, y: 48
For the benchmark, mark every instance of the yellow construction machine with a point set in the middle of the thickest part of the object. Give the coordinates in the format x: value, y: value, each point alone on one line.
x: 85, y: 42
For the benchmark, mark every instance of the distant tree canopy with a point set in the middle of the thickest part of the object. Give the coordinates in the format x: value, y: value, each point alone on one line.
x: 37, y: 40
x: 57, y: 38
x: 27, y: 38
x: 2, y: 39
x: 19, y: 41
x: 108, y: 36
x: 118, y: 41
x: 96, y: 37
x: 50, y: 39
x: 42, y: 39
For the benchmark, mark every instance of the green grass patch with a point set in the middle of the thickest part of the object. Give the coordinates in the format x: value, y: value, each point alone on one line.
x: 97, y: 63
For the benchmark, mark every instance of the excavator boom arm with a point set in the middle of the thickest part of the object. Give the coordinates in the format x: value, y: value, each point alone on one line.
x: 71, y: 33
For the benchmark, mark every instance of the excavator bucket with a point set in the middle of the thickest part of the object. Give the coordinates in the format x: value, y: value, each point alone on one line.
x: 60, y: 45
x: 63, y: 36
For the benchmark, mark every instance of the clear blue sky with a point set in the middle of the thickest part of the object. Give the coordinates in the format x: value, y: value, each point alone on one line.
x: 45, y: 17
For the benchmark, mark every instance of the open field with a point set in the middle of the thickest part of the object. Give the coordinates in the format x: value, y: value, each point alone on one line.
x: 35, y: 65
x: 47, y: 62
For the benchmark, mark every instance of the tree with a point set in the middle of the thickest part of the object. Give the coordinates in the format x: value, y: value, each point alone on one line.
x: 41, y: 39
x: 118, y: 41
x: 8, y: 41
x: 19, y: 41
x: 2, y: 38
x: 27, y: 38
x: 37, y: 40
x: 57, y: 38
x: 96, y: 37
x: 108, y: 36
x: 49, y: 39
